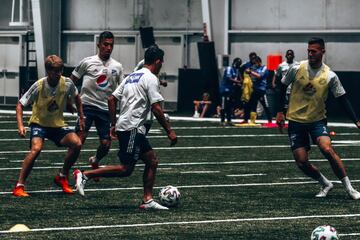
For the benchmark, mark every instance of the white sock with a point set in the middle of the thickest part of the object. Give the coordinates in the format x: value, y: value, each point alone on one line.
x: 20, y: 185
x: 148, y: 201
x: 347, y: 184
x: 323, y: 180
x: 61, y: 174
x: 94, y: 159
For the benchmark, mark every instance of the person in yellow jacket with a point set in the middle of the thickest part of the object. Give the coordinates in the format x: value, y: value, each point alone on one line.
x: 48, y: 97
x: 311, y: 82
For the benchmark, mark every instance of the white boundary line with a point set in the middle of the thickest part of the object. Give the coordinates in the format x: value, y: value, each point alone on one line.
x: 183, y: 148
x: 331, y: 124
x: 184, y: 163
x: 198, y: 172
x: 215, y: 136
x: 186, y: 186
x: 191, y: 223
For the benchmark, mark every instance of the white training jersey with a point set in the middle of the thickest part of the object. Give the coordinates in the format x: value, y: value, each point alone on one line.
x: 136, y: 93
x: 31, y: 95
x: 100, y: 79
x: 140, y: 65
x: 333, y: 81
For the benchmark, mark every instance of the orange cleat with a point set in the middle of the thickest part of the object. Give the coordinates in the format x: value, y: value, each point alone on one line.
x: 64, y: 184
x: 19, y: 191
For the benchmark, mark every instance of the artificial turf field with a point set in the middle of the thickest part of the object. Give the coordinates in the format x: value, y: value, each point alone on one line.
x: 236, y: 183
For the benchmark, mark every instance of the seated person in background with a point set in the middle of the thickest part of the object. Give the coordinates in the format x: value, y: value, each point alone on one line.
x: 202, y: 107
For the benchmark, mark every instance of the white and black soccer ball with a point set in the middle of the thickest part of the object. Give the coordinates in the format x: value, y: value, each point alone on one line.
x: 169, y: 196
x: 325, y: 232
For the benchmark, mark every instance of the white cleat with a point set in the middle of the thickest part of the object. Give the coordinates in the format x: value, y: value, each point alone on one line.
x: 196, y: 115
x: 80, y: 181
x: 354, y: 194
x: 151, y: 204
x: 324, y: 191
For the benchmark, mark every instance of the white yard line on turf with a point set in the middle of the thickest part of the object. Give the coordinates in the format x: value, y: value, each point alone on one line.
x: 185, y: 148
x: 215, y: 136
x: 203, y: 163
x: 199, y: 172
x: 212, y: 221
x: 247, y: 175
x: 187, y: 186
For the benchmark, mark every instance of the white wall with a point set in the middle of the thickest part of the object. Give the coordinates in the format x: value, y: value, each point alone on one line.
x: 277, y: 25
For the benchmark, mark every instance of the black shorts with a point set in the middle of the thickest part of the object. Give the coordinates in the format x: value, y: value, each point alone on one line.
x: 53, y: 134
x: 300, y: 133
x: 132, y: 145
x: 101, y: 120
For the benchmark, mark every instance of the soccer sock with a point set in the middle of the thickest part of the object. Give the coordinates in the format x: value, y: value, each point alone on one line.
x: 323, y: 180
x: 94, y: 159
x: 148, y: 201
x: 62, y: 175
x: 347, y: 184
x: 20, y: 185
x: 84, y: 176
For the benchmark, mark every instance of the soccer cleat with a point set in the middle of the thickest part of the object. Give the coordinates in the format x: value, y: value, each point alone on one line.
x: 94, y: 165
x: 324, y: 191
x: 80, y: 181
x: 354, y: 194
x: 151, y: 204
x: 19, y: 191
x: 196, y: 115
x: 64, y: 184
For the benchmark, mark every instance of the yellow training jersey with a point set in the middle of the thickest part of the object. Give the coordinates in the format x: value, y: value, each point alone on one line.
x: 309, y: 92
x: 47, y: 110
x: 247, y: 88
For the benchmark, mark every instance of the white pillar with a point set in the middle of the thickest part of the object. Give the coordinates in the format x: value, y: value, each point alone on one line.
x: 39, y: 40
x: 206, y: 16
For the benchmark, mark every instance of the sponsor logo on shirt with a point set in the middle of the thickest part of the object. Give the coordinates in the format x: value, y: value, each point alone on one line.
x: 102, y: 81
x: 134, y: 78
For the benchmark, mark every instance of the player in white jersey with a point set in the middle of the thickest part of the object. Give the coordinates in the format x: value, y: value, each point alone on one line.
x: 280, y: 72
x: 150, y: 116
x: 138, y: 94
x: 101, y: 75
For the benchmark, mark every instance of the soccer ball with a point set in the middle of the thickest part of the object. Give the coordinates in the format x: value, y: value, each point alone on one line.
x: 169, y: 196
x: 325, y: 232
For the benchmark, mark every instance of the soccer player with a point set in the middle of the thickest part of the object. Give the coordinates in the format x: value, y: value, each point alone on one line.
x: 311, y: 80
x: 281, y: 72
x: 138, y: 93
x: 48, y: 98
x: 227, y: 87
x: 150, y: 116
x: 101, y: 75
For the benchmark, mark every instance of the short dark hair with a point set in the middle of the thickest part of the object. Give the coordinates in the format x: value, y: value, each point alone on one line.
x: 252, y: 54
x: 258, y: 59
x: 316, y: 40
x: 104, y: 35
x: 237, y: 62
x: 290, y: 50
x: 53, y: 62
x: 152, y: 54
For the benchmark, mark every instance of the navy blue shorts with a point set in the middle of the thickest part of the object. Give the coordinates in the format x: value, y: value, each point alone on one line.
x: 101, y: 120
x: 131, y: 146
x: 300, y: 133
x: 53, y: 134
